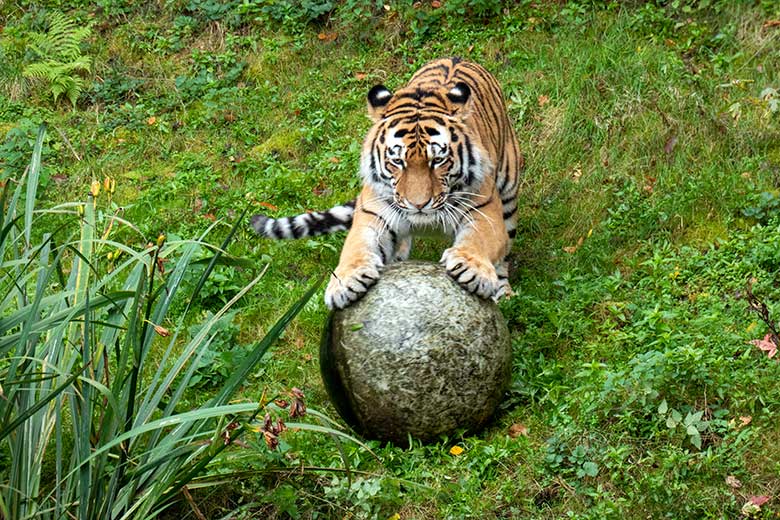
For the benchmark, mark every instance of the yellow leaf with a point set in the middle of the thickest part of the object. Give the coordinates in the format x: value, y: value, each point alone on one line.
x: 456, y: 450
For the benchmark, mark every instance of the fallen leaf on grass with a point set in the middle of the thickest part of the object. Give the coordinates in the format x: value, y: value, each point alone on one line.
x: 152, y: 120
x: 573, y: 249
x: 766, y: 344
x: 771, y: 23
x: 360, y: 76
x: 268, y: 205
x: 543, y: 100
x: 759, y: 500
x: 733, y: 481
x: 321, y: 189
x: 435, y: 4
x: 517, y: 430
x: 456, y: 450
x: 745, y: 419
x: 670, y: 144
x: 650, y: 184
x: 327, y: 37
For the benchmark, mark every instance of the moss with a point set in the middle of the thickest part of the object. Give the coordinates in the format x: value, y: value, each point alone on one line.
x: 285, y: 145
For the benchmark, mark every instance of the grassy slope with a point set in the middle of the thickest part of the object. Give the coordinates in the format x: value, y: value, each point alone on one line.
x: 630, y: 149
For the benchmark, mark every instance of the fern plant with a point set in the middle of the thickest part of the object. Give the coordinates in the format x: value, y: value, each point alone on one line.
x: 60, y: 63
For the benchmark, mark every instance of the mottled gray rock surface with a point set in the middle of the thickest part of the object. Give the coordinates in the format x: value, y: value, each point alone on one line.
x: 417, y: 355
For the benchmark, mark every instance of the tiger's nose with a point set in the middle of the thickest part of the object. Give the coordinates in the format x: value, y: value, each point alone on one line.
x: 419, y: 206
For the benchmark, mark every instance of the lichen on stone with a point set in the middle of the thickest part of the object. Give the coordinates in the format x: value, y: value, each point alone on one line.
x: 417, y: 355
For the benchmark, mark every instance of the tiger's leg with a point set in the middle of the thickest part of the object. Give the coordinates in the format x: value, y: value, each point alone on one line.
x: 509, y: 210
x: 369, y: 246
x: 502, y: 272
x: 403, y: 248
x: 480, y: 247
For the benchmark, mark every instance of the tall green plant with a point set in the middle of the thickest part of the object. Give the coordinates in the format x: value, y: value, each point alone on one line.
x: 78, y: 387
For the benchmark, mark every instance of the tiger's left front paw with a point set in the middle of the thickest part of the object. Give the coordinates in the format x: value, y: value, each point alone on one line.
x: 473, y: 273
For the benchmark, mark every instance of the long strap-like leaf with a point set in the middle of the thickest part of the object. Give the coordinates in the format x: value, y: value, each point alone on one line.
x: 32, y: 184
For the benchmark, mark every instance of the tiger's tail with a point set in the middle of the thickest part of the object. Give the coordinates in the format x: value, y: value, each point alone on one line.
x: 337, y: 218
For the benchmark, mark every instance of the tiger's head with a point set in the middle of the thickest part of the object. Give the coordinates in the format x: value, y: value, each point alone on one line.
x: 422, y: 151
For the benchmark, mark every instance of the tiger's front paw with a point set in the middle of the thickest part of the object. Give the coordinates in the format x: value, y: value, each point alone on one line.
x: 473, y: 273
x: 347, y: 286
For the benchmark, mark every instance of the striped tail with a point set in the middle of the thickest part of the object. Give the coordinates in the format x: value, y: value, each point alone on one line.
x: 337, y: 218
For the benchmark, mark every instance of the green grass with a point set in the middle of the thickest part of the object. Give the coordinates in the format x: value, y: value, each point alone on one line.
x: 648, y: 147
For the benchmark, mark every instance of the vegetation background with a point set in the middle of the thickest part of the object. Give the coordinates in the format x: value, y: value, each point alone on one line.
x: 134, y: 382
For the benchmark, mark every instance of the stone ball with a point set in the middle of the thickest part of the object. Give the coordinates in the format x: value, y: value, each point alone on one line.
x: 416, y: 356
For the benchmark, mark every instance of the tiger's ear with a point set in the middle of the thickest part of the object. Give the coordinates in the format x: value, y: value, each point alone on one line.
x: 378, y: 97
x: 459, y: 95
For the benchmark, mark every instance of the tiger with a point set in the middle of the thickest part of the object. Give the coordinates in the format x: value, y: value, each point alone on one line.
x: 441, y: 155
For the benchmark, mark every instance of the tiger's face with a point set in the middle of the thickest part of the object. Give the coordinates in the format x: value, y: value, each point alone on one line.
x: 420, y: 154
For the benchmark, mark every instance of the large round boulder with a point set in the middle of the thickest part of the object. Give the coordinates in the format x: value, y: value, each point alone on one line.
x: 416, y: 356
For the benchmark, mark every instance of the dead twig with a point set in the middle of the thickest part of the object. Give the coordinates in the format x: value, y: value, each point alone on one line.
x: 760, y: 308
x: 195, y: 510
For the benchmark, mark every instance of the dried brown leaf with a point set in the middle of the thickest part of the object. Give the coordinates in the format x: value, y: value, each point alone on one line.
x: 759, y: 500
x: 670, y: 144
x: 733, y: 482
x: 517, y: 430
x: 767, y: 345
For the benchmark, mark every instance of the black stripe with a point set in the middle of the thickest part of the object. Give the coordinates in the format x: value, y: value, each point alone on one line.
x: 509, y: 214
x: 512, y: 186
x: 503, y: 178
x: 512, y: 233
x: 462, y: 160
x: 467, y: 281
x: 486, y: 78
x: 296, y: 231
x: 470, y: 160
x: 276, y: 229
x: 475, y: 208
x: 458, y: 270
x: 375, y: 215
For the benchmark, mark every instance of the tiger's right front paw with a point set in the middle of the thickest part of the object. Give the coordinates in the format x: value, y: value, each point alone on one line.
x: 348, y: 287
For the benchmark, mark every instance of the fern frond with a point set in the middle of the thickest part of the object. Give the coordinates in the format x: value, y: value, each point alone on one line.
x: 41, y: 70
x: 60, y: 59
x: 62, y: 39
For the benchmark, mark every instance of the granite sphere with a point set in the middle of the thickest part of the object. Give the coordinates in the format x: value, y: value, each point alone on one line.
x: 417, y: 357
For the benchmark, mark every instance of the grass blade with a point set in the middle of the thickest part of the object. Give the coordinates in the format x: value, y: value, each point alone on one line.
x: 32, y: 184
